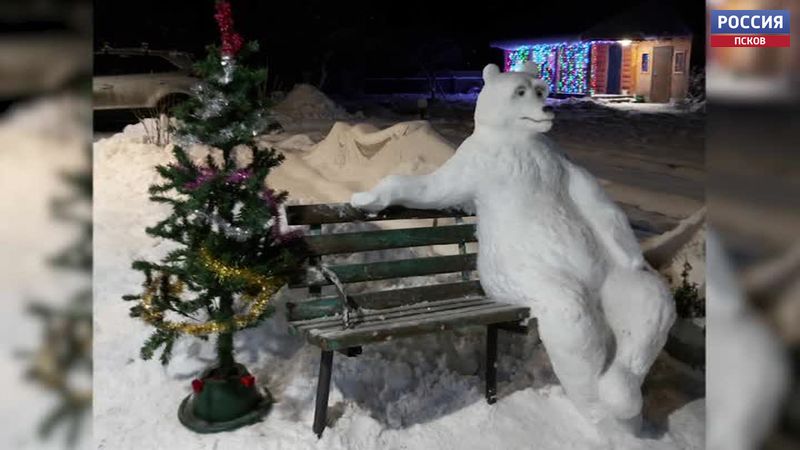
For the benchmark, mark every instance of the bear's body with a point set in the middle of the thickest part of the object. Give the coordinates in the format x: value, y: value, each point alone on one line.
x: 548, y: 225
x: 550, y: 239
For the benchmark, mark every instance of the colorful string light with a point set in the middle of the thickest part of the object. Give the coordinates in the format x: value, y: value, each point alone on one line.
x: 565, y: 66
x: 516, y: 58
x: 573, y: 65
x: 545, y: 57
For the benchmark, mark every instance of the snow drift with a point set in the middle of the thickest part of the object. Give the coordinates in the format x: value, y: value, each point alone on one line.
x: 363, y: 154
x: 353, y: 158
x: 305, y: 103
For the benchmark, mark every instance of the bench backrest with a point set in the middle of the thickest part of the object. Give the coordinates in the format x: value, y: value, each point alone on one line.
x: 321, y: 245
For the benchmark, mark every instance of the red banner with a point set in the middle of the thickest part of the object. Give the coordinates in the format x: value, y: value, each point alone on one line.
x: 766, y: 40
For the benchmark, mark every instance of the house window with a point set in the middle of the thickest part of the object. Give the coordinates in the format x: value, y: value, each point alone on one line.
x: 680, y: 62
x: 645, y: 62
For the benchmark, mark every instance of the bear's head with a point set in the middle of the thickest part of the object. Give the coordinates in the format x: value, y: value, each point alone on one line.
x: 513, y: 101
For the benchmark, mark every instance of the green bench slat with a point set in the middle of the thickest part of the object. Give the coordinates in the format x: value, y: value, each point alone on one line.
x: 354, y: 273
x: 328, y: 244
x: 383, y: 315
x: 366, y: 317
x: 343, y: 212
x: 468, y: 314
x: 328, y: 306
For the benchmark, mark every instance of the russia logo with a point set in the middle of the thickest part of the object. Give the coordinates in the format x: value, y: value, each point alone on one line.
x: 750, y: 28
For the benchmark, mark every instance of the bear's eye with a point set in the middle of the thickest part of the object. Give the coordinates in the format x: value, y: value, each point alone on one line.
x: 520, y: 92
x: 539, y: 91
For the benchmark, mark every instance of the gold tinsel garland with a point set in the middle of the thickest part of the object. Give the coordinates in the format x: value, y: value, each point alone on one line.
x: 264, y: 285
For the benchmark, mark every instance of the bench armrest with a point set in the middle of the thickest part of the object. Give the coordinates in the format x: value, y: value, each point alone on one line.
x: 348, y: 305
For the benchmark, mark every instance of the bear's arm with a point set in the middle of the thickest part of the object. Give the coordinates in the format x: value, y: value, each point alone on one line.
x: 607, y: 220
x: 451, y: 185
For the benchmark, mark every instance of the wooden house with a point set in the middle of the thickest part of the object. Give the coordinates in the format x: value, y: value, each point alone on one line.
x: 643, y: 52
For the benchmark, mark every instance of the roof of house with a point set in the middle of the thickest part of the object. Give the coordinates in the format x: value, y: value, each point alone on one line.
x: 649, y: 19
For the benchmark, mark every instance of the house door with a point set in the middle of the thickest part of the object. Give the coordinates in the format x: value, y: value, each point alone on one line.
x: 614, y: 69
x: 662, y: 74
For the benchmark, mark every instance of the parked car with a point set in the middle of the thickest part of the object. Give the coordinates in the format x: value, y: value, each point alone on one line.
x: 140, y: 78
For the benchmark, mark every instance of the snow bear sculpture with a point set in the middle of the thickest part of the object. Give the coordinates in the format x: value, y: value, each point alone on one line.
x: 549, y: 238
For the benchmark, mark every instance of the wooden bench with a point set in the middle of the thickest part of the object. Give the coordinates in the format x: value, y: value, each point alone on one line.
x: 345, y: 322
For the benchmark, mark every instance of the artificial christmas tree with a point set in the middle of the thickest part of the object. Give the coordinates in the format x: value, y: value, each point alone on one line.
x: 232, y: 254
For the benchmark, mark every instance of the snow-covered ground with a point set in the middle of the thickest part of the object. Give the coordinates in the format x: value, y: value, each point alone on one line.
x: 42, y: 140
x: 414, y: 393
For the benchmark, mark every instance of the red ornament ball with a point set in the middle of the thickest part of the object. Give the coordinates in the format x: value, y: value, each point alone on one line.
x: 248, y: 381
x: 197, y: 386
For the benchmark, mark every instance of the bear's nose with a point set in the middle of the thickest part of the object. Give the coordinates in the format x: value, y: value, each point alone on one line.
x: 547, y: 109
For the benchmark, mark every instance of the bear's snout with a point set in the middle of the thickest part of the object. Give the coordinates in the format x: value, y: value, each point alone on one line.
x: 548, y: 109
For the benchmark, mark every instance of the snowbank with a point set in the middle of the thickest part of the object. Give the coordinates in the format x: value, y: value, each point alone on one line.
x: 292, y: 142
x: 58, y: 117
x: 353, y: 158
x: 304, y: 183
x: 306, y: 104
x: 363, y: 155
x: 150, y: 130
x: 349, y: 159
x: 598, y: 103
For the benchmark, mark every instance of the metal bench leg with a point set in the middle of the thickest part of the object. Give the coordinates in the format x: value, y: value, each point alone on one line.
x: 491, y: 364
x: 323, y: 389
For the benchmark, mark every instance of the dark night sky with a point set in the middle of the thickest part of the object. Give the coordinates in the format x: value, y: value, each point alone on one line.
x: 362, y: 38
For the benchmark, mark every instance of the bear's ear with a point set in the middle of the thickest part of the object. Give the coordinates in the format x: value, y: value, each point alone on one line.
x: 531, y: 68
x: 489, y: 72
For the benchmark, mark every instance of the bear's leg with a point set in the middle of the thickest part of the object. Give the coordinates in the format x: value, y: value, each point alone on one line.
x: 640, y: 311
x: 576, y: 338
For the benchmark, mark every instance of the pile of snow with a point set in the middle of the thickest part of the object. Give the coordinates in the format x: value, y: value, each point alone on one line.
x: 349, y: 159
x: 304, y: 183
x: 353, y: 158
x: 302, y: 142
x: 600, y: 103
x: 150, y: 130
x: 64, y: 116
x: 363, y: 154
x: 307, y: 103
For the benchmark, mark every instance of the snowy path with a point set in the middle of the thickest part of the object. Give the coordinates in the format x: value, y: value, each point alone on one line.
x: 657, y: 153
